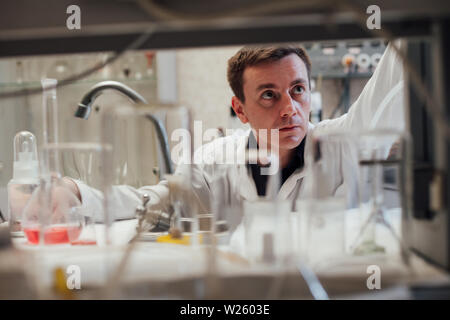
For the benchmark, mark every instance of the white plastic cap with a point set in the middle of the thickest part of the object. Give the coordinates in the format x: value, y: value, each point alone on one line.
x: 26, y: 165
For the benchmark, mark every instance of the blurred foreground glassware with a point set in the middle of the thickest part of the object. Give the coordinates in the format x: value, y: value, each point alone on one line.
x: 25, y: 178
x: 357, y: 171
x: 383, y: 165
x: 88, y: 235
x: 140, y: 149
x: 330, y: 188
x: 268, y: 232
x: 140, y: 142
x: 54, y: 207
x: 53, y: 210
x: 267, y: 220
x: 186, y: 211
x: 82, y: 161
x: 225, y: 203
x: 53, y: 215
x: 326, y: 232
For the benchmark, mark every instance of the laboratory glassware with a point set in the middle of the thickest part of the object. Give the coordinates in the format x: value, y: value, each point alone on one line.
x: 52, y: 215
x: 383, y: 165
x: 76, y: 223
x: 226, y: 205
x: 267, y: 219
x: 25, y: 178
x: 82, y: 161
x: 267, y: 231
x: 330, y: 189
x: 140, y: 155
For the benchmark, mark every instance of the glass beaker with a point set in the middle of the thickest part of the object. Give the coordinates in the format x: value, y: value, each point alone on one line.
x: 268, y: 234
x: 141, y: 138
x: 330, y: 189
x: 226, y: 202
x: 140, y: 143
x: 267, y: 219
x: 325, y: 232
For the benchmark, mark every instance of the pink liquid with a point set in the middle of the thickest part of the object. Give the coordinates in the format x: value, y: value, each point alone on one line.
x: 54, y: 235
x: 84, y: 243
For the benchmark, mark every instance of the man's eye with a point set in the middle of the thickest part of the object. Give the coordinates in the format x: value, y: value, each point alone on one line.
x: 298, y: 90
x: 268, y: 95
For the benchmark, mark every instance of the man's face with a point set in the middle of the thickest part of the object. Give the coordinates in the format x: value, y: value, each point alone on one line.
x: 277, y: 96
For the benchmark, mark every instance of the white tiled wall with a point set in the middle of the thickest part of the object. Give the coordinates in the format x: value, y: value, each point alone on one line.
x: 203, y: 86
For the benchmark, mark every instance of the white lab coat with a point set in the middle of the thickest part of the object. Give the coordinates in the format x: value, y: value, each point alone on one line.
x: 380, y: 105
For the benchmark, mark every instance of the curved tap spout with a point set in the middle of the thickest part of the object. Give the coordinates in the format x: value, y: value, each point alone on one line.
x: 85, y: 107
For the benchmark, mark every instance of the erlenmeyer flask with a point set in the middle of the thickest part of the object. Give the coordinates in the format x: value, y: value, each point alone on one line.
x: 382, y: 165
x: 53, y: 215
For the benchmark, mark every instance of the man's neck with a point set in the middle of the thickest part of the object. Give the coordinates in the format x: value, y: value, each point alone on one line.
x: 285, y: 157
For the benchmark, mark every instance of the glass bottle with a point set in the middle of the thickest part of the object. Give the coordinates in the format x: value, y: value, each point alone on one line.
x: 25, y: 178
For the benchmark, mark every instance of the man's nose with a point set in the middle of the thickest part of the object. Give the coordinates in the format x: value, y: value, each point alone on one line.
x: 288, y: 107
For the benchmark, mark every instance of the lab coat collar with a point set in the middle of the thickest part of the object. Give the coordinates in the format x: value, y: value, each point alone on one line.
x: 288, y: 187
x: 246, y: 185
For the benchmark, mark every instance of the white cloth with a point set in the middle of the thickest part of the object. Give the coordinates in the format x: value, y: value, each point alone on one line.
x: 380, y: 105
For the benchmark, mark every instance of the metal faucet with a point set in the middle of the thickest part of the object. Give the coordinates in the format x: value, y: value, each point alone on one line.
x: 85, y: 106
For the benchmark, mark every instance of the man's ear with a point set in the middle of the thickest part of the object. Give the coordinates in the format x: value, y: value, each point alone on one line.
x: 237, y: 106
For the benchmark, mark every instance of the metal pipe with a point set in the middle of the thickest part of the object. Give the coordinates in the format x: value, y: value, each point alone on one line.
x: 85, y: 107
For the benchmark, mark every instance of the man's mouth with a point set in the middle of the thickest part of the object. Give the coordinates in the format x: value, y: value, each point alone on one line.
x: 288, y: 128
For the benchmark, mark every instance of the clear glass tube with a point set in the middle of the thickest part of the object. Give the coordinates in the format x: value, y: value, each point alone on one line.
x: 50, y: 160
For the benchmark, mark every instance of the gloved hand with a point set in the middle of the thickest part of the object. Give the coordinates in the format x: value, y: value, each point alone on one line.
x: 63, y: 197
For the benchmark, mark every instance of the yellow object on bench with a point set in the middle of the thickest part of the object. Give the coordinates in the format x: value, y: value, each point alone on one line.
x: 185, y: 239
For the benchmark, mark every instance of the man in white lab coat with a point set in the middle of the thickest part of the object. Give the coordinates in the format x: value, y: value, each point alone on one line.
x: 272, y: 91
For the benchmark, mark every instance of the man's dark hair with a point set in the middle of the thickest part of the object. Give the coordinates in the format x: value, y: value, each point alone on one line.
x: 251, y: 56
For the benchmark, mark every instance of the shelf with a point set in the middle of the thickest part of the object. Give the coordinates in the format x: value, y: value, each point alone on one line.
x: 364, y: 75
x: 4, y: 86
x: 42, y: 31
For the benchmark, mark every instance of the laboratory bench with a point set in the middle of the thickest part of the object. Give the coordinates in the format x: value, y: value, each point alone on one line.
x: 172, y: 271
